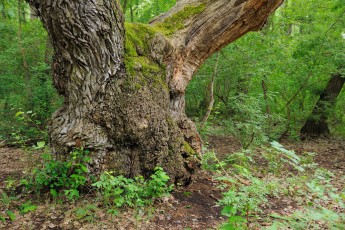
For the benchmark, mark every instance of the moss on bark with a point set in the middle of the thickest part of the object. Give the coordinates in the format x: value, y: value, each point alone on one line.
x: 141, y: 67
x: 177, y: 21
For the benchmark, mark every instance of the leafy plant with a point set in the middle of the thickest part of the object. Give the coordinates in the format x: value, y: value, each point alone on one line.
x: 86, y: 213
x: 27, y: 207
x: 11, y: 215
x: 121, y: 192
x: 310, y: 218
x: 59, y: 176
x: 243, y: 201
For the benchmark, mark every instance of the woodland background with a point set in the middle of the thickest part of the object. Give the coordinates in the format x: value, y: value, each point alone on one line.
x: 265, y: 85
x: 263, y: 88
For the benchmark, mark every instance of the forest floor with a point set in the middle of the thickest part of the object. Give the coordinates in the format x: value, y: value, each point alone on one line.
x: 192, y: 207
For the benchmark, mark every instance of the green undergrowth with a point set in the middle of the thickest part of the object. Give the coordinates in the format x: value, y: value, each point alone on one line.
x: 69, y: 181
x: 117, y: 192
x: 251, y: 181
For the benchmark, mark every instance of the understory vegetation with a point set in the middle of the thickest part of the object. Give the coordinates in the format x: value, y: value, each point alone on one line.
x: 249, y: 187
x: 263, y: 88
x: 69, y: 179
x: 250, y: 181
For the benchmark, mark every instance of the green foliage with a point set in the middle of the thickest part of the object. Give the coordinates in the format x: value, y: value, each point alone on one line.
x: 284, y: 156
x: 248, y: 187
x: 58, y: 177
x: 310, y: 218
x: 10, y: 203
x: 25, y: 81
x: 248, y: 122
x: 11, y: 215
x: 319, y: 190
x: 119, y: 191
x: 268, y: 82
x: 144, y: 11
x: 86, y: 213
x: 28, y: 129
x: 27, y: 207
x: 242, y: 200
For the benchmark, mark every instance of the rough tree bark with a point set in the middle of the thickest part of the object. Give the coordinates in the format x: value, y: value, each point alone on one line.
x: 316, y: 124
x: 124, y: 84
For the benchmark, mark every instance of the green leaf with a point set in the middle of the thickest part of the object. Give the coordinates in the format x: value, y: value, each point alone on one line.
x: 228, y: 211
x: 27, y: 207
x: 11, y: 215
x: 54, y: 193
x: 84, y: 168
x: 72, y: 193
x: 228, y: 226
x: 19, y: 113
x: 113, y: 212
x: 40, y: 145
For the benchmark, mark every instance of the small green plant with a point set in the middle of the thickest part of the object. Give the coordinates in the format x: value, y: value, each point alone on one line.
x: 61, y: 177
x: 86, y: 213
x: 288, y: 156
x: 245, y: 192
x: 187, y: 193
x: 243, y: 201
x: 10, y: 184
x: 11, y: 215
x: 119, y: 191
x: 29, y: 128
x: 6, y: 200
x: 27, y: 207
x: 317, y: 191
x: 310, y: 218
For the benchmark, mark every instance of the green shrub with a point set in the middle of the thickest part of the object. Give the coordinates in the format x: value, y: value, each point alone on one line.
x: 57, y: 176
x: 121, y: 192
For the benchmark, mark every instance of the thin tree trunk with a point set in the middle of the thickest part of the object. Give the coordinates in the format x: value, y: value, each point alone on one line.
x: 211, y: 93
x: 267, y: 105
x: 27, y: 77
x: 131, y: 13
x: 3, y: 10
x: 124, y: 6
x: 316, y: 124
x: 21, y: 11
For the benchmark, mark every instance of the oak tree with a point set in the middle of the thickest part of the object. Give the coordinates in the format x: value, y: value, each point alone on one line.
x: 124, y: 84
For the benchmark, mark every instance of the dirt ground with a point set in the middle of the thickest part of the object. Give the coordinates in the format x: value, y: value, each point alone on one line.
x: 193, y: 207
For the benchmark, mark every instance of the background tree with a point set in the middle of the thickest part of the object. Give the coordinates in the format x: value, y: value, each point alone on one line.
x: 316, y: 124
x: 295, y: 63
x: 25, y: 81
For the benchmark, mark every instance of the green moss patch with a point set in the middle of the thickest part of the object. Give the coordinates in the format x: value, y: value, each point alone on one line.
x: 176, y: 22
x: 189, y: 150
x: 140, y: 67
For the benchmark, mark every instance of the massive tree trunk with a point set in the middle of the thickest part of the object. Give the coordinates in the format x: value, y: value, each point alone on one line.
x: 124, y: 84
x: 316, y: 124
